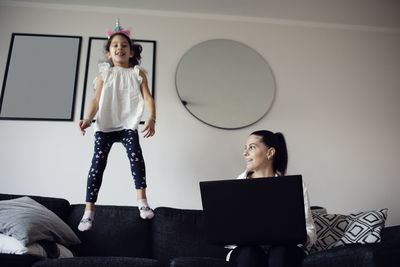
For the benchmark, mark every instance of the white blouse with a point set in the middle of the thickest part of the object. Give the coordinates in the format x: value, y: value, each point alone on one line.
x: 121, y: 102
x: 310, y: 227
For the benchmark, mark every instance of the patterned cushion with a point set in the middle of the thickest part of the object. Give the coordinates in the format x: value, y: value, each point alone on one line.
x: 335, y: 230
x: 364, y: 227
x: 330, y: 228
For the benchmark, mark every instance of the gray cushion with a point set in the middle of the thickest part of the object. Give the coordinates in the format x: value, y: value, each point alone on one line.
x: 59, y: 206
x: 28, y: 221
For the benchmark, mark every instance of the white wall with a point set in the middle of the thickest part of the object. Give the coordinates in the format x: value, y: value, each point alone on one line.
x: 337, y: 102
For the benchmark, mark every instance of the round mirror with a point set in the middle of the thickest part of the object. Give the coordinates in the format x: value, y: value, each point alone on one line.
x: 225, y: 84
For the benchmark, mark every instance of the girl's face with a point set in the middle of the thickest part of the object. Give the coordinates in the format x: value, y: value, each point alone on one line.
x: 120, y: 51
x: 256, y: 154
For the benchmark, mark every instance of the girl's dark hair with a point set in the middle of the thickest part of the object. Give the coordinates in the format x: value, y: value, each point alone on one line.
x: 277, y: 141
x: 136, y: 48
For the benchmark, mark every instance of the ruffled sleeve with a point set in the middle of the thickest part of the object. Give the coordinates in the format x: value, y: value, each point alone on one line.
x: 243, y: 175
x: 136, y: 71
x: 104, y: 69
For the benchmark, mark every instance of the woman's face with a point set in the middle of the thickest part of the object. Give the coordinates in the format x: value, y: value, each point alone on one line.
x: 255, y: 153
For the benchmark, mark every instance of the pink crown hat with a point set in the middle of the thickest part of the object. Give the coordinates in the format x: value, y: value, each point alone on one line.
x: 118, y: 29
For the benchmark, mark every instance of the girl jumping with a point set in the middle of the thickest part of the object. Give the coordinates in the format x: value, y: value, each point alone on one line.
x: 121, y: 94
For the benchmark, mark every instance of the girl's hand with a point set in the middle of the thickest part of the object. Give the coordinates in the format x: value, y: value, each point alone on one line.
x: 83, y: 124
x: 148, y: 128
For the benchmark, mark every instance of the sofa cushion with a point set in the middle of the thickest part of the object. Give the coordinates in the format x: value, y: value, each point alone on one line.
x: 59, y: 206
x: 99, y: 261
x: 199, y: 262
x: 351, y: 255
x: 181, y: 233
x: 28, y: 221
x: 9, y: 260
x: 116, y: 231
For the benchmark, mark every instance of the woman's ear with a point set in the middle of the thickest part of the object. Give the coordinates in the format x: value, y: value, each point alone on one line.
x: 108, y: 54
x: 270, y: 153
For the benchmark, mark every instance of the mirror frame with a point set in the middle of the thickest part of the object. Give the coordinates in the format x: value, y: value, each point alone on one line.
x: 262, y: 73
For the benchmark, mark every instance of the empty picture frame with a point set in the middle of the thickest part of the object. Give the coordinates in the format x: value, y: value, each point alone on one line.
x: 96, y: 55
x: 40, y: 77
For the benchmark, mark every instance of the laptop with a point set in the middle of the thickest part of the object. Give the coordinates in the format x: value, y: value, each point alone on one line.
x: 261, y: 211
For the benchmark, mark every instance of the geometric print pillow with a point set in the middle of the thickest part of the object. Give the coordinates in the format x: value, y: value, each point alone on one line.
x: 330, y: 228
x: 364, y: 227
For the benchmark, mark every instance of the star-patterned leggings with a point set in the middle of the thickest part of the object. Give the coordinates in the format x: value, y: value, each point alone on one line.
x: 102, y: 145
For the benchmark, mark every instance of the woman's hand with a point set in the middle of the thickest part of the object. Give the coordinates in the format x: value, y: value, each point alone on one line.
x: 149, y: 126
x: 83, y: 124
x: 307, y: 241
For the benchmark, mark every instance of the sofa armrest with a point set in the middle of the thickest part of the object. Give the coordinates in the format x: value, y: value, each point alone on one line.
x: 391, y: 236
x: 385, y: 253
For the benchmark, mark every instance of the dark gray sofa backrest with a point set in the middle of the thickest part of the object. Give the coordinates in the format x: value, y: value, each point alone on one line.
x: 116, y: 231
x: 181, y: 233
x: 59, y: 206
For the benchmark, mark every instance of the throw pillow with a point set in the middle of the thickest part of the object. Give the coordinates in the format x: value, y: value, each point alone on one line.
x: 330, y: 228
x: 364, y: 227
x: 10, y: 245
x: 28, y: 221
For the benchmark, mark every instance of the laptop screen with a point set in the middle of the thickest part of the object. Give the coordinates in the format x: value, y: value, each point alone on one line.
x: 261, y: 211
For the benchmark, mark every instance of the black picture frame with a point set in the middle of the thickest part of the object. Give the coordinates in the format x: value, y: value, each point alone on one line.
x: 96, y: 55
x: 40, y: 77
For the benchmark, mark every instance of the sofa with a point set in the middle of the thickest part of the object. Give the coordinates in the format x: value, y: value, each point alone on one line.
x: 175, y: 238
